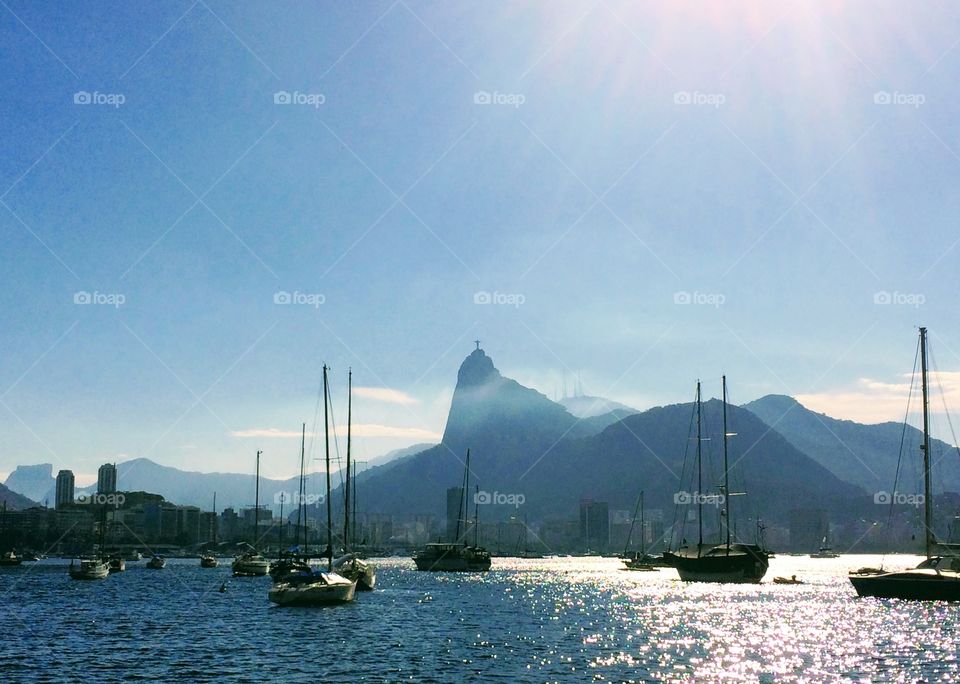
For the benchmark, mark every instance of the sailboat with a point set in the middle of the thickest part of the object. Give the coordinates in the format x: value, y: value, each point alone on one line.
x: 305, y: 586
x: 728, y: 561
x: 351, y: 565
x: 250, y: 563
x: 641, y: 560
x: 297, y: 560
x: 208, y: 560
x: 938, y: 577
x: 455, y: 556
x: 93, y: 566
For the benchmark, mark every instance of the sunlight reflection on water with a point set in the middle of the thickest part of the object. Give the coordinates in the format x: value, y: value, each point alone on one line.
x: 526, y: 620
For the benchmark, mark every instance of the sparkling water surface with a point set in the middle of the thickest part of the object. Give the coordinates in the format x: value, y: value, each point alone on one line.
x: 556, y: 619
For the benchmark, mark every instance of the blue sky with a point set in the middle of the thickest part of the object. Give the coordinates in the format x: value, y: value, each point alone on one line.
x: 789, y: 169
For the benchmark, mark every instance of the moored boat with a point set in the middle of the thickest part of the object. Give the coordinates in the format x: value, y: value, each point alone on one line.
x: 312, y: 589
x: 456, y: 556
x: 10, y: 559
x: 116, y: 564
x: 89, y: 569
x: 938, y: 577
x: 729, y: 561
x: 250, y: 563
x: 208, y: 561
x: 301, y: 585
x: 156, y: 562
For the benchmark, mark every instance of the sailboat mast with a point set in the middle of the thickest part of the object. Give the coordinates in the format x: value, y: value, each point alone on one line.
x: 346, y: 489
x: 928, y: 499
x: 626, y: 547
x: 216, y: 519
x: 726, y: 466
x: 476, y: 516
x: 302, y: 492
x: 643, y: 533
x: 466, y: 502
x: 326, y: 440
x: 699, y: 479
x: 256, y: 504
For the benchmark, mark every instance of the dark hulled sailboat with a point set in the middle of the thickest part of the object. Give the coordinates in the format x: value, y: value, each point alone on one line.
x: 938, y: 577
x: 456, y: 556
x: 728, y: 561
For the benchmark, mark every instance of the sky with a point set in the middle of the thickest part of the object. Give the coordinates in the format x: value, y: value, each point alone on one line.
x: 202, y: 203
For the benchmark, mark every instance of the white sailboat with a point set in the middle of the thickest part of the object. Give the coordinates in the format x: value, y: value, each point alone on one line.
x: 250, y: 563
x: 304, y: 586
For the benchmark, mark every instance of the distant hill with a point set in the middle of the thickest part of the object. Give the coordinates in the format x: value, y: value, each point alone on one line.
x: 590, y: 407
x: 186, y: 487
x: 33, y: 481
x: 864, y: 455
x: 14, y: 501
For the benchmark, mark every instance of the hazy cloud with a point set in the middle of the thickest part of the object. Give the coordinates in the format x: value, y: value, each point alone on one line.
x: 391, y: 396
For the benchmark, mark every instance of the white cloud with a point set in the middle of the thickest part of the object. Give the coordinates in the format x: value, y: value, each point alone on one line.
x: 876, y: 401
x: 385, y: 394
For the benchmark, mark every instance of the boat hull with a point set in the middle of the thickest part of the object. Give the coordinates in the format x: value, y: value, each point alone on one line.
x: 912, y: 586
x: 209, y: 562
x: 89, y: 571
x: 318, y: 592
x: 250, y: 568
x: 743, y: 564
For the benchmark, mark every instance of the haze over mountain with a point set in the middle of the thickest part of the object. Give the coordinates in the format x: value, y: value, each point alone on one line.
x: 586, y: 406
x: 33, y: 481
x: 184, y: 487
x: 865, y: 455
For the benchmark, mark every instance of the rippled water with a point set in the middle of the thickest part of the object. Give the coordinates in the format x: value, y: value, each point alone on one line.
x: 526, y: 620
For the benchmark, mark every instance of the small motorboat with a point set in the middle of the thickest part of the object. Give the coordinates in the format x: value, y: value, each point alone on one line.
x: 209, y: 562
x: 792, y: 579
x: 89, y: 569
x: 156, y: 563
x: 116, y: 564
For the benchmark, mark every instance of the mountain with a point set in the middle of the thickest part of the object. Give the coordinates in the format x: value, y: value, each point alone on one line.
x: 180, y: 486
x: 14, y: 501
x: 33, y: 481
x: 522, y: 443
x: 506, y: 425
x: 864, y: 455
x: 589, y: 407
